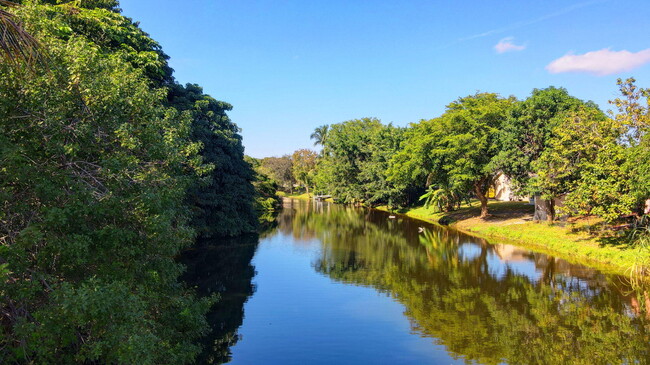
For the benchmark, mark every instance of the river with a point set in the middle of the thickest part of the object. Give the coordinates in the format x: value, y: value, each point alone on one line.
x: 332, y: 284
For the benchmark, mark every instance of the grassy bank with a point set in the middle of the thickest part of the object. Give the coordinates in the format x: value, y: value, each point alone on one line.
x: 304, y: 196
x: 577, y: 241
x: 307, y: 197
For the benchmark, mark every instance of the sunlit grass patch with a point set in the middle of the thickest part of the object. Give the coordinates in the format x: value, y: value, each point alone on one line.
x: 304, y: 196
x: 583, y: 240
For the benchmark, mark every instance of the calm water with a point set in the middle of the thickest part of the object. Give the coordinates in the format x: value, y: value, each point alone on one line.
x: 332, y: 285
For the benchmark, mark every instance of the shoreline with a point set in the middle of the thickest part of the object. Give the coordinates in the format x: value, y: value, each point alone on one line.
x: 547, y: 238
x: 511, y: 223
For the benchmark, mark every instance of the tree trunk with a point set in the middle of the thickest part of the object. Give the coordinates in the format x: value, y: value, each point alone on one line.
x: 478, y: 189
x: 307, y: 188
x: 550, y: 210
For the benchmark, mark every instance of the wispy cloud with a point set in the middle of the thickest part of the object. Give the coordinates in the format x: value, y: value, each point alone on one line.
x: 524, y: 23
x: 507, y: 45
x: 602, y: 62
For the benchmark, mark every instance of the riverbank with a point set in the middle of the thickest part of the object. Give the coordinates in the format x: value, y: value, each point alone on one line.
x: 307, y: 197
x: 304, y: 196
x: 579, y: 241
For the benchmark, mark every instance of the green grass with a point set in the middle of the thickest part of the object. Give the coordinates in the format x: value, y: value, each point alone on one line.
x: 511, y: 222
x: 307, y: 197
x: 304, y: 196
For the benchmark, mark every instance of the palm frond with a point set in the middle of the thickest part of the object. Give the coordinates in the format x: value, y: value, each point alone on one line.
x: 15, y: 43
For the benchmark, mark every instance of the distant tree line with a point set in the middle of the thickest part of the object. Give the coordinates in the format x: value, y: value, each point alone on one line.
x: 108, y: 168
x: 551, y: 145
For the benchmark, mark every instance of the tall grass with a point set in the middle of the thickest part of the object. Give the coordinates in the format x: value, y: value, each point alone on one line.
x: 640, y: 270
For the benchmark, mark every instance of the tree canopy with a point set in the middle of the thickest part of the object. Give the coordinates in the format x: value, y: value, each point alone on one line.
x: 109, y: 169
x: 457, y: 149
x: 355, y: 158
x: 304, y: 167
x: 526, y: 132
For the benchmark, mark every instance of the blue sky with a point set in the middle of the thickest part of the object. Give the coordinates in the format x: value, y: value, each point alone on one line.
x: 290, y: 66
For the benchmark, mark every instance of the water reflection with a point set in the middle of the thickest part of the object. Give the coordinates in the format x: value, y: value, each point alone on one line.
x: 222, y: 266
x: 485, y: 303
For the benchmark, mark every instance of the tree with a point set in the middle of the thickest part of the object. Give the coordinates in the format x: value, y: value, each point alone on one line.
x: 99, y: 151
x: 526, y: 134
x: 459, y: 147
x: 443, y: 198
x: 320, y: 135
x: 266, y: 198
x: 583, y: 160
x: 304, y: 166
x: 280, y: 170
x: 410, y: 168
x: 92, y: 183
x: 528, y: 128
x: 598, y: 162
x: 634, y: 115
x: 223, y: 200
x: 16, y: 43
x: 384, y: 144
x: 355, y: 159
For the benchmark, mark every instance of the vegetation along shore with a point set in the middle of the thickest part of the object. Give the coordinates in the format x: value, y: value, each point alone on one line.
x: 551, y: 172
x: 512, y: 221
x: 109, y: 168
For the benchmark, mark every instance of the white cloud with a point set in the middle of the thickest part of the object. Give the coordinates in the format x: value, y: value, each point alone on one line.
x: 602, y: 62
x: 506, y: 45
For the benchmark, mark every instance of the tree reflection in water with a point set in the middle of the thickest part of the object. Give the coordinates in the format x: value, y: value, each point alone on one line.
x: 469, y: 296
x: 222, y: 266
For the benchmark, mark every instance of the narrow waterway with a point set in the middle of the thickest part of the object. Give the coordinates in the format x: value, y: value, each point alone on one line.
x: 332, y: 284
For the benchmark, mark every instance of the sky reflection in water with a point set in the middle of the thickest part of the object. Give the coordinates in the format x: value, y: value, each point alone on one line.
x: 342, y: 285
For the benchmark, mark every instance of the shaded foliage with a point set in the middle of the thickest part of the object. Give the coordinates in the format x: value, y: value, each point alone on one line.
x: 223, y: 198
x: 266, y: 199
x: 94, y: 173
x: 280, y: 170
x: 99, y: 149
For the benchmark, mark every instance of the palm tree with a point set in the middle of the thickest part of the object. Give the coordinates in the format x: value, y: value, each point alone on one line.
x: 319, y: 135
x: 15, y: 43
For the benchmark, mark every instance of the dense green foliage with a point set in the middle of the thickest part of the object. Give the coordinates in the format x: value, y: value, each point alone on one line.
x: 355, y: 159
x: 583, y: 159
x: 222, y: 199
x: 609, y: 157
x: 92, y: 184
x: 551, y: 144
x: 303, y: 167
x: 280, y: 170
x: 526, y: 132
x: 108, y: 169
x: 525, y: 139
x: 458, y: 148
x: 266, y: 199
x: 634, y: 117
